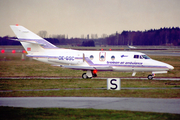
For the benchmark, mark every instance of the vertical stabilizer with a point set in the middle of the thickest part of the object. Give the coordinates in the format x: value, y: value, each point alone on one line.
x: 30, y: 41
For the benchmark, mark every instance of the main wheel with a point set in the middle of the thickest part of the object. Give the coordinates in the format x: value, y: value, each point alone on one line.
x: 94, y: 75
x: 150, y: 77
x: 84, y: 76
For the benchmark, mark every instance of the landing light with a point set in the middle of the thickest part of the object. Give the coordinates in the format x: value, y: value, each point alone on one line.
x: 2, y: 51
x: 13, y: 51
x: 94, y: 71
x: 23, y: 51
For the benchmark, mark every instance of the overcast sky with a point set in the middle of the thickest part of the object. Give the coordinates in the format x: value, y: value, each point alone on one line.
x: 81, y: 17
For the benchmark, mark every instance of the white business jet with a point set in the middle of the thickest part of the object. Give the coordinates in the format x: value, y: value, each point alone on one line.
x: 90, y: 61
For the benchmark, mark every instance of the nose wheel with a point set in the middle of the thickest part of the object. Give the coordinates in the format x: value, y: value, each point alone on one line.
x: 150, y: 77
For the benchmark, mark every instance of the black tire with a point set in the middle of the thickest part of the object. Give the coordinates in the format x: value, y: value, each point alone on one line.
x: 150, y: 77
x: 94, y: 75
x: 84, y: 76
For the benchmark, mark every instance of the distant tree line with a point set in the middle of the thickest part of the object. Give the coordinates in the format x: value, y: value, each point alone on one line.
x: 5, y: 41
x: 89, y: 43
x: 162, y: 36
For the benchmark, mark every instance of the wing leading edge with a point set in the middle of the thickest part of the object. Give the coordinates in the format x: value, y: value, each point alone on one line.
x: 86, y: 68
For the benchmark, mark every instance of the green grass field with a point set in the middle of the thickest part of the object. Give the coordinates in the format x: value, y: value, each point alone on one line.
x: 12, y: 65
x: 89, y: 88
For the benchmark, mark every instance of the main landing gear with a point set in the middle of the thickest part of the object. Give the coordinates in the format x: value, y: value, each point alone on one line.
x: 89, y: 74
x: 150, y: 77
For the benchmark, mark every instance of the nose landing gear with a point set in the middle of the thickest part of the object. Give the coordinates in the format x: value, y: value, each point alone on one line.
x: 150, y: 77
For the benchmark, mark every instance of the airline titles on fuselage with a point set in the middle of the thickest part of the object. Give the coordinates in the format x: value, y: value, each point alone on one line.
x: 122, y: 63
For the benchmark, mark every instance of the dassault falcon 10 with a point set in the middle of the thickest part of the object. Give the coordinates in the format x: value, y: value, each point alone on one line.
x: 89, y: 61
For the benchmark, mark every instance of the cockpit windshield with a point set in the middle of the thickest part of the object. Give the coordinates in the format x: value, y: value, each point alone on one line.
x: 145, y: 57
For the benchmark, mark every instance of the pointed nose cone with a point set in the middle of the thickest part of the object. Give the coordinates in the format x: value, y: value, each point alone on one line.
x: 170, y: 67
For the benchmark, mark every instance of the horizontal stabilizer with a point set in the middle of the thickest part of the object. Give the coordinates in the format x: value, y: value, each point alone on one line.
x: 32, y: 42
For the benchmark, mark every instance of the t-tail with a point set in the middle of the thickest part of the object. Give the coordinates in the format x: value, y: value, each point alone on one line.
x: 31, y: 42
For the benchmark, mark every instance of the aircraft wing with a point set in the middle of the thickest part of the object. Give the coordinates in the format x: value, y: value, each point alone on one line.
x: 87, y: 68
x: 108, y: 68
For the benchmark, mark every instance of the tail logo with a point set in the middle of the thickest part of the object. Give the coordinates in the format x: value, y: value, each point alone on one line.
x: 28, y: 49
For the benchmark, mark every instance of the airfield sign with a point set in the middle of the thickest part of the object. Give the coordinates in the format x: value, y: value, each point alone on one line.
x: 113, y: 84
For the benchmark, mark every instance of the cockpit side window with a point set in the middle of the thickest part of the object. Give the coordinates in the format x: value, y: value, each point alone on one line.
x: 136, y: 56
x: 141, y: 57
x: 146, y: 57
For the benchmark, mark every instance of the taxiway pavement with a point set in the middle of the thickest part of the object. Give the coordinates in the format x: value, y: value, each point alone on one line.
x: 111, y: 103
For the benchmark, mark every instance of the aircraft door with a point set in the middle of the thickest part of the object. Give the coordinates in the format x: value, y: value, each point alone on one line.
x: 102, y: 56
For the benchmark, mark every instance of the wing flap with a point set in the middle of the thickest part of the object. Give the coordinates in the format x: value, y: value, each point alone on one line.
x: 79, y: 67
x: 108, y: 68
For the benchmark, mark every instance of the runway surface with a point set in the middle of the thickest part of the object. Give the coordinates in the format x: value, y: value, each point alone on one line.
x: 161, y: 53
x: 130, y: 104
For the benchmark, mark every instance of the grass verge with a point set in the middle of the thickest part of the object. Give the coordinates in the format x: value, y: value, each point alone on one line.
x: 81, y: 83
x: 36, y: 88
x: 150, y: 93
x: 88, y: 114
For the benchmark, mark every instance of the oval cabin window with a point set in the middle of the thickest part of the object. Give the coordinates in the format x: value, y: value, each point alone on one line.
x: 113, y: 57
x: 91, y: 57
